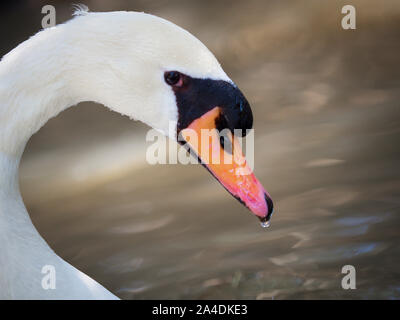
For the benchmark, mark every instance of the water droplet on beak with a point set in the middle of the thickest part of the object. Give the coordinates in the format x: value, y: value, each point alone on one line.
x: 265, y: 224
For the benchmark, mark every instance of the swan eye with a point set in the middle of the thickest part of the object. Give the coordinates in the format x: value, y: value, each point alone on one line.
x: 173, y: 78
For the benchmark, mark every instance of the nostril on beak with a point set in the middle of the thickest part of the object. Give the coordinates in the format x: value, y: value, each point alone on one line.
x: 240, y: 106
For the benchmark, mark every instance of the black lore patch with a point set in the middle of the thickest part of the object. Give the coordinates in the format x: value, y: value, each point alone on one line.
x: 196, y: 96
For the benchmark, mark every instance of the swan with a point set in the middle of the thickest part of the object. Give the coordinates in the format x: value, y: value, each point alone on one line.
x: 136, y: 64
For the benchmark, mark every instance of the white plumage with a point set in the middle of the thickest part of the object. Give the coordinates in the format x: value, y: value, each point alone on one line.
x: 117, y: 59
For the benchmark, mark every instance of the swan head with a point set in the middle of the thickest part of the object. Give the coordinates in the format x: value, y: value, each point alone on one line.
x: 160, y: 74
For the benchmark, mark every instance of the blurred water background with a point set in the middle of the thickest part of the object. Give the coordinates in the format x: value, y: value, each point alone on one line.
x: 327, y: 132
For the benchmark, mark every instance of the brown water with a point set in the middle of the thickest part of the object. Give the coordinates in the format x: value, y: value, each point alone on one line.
x: 327, y: 130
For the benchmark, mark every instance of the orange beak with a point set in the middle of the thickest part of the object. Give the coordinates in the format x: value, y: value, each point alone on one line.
x: 230, y: 169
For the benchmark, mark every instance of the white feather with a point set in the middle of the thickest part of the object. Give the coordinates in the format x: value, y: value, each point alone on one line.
x: 115, y: 58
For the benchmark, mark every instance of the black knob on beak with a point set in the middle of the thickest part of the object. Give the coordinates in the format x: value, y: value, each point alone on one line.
x: 238, y: 114
x: 245, y: 121
x: 198, y: 96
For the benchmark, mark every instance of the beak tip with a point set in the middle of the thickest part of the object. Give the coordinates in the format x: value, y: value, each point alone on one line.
x: 270, y: 205
x: 265, y: 221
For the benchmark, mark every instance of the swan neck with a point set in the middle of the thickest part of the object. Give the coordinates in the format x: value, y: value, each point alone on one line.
x: 34, y: 87
x: 32, y: 91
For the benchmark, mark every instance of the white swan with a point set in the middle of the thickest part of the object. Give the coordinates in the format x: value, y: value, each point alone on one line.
x: 136, y: 64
